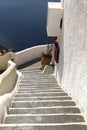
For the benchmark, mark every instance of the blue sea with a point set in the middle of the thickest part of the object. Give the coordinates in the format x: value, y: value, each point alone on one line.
x: 23, y: 23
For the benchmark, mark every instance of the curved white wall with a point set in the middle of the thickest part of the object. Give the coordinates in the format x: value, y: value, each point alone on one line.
x: 5, y: 100
x: 28, y: 54
x: 8, y: 85
x: 8, y: 78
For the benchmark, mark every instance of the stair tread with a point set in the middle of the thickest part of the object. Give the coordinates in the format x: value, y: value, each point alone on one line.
x: 33, y: 104
x: 40, y: 94
x: 48, y: 118
x: 43, y: 127
x: 43, y: 110
x: 38, y: 91
x: 40, y: 98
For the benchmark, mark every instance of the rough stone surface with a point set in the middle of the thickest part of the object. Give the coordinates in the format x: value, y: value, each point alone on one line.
x: 43, y: 119
x: 44, y: 110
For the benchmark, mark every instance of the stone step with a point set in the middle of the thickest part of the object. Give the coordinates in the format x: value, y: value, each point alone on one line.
x: 43, y: 118
x: 38, y: 84
x: 33, y: 71
x: 32, y: 87
x: 42, y: 98
x: 41, y: 94
x: 36, y: 80
x: 49, y: 91
x: 44, y: 110
x: 28, y: 126
x: 43, y: 83
x: 46, y: 90
x: 42, y: 103
x: 29, y: 70
x: 40, y: 90
x: 40, y: 78
x: 37, y: 75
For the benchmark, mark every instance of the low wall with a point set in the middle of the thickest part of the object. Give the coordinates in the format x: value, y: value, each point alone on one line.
x: 4, y: 61
x: 28, y: 54
x: 5, y: 100
x: 8, y: 85
x: 8, y: 78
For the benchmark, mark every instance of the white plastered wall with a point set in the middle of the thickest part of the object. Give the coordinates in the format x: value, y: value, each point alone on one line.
x: 73, y: 52
x: 28, y: 54
x: 54, y: 16
x: 8, y: 86
x: 8, y: 78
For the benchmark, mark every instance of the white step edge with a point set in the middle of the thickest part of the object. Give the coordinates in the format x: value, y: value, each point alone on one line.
x: 50, y: 107
x: 46, y: 124
x: 52, y: 114
x: 43, y: 93
x: 43, y: 101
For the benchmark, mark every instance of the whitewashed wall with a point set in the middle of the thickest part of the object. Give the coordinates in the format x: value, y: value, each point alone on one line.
x: 8, y: 85
x: 73, y: 51
x: 54, y: 16
x: 8, y: 78
x: 28, y: 54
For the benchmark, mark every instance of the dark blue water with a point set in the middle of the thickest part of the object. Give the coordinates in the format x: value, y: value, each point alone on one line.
x: 23, y: 23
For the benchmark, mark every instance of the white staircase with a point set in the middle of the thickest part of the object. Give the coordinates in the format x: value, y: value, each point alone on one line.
x: 41, y: 104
